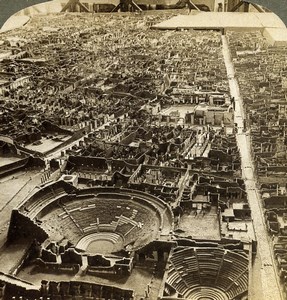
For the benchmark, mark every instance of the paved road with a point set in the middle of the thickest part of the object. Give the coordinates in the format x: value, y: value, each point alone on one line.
x: 265, y: 267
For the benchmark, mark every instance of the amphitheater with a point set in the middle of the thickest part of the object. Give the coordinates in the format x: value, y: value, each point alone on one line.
x: 99, y: 228
x: 208, y: 273
x: 103, y: 218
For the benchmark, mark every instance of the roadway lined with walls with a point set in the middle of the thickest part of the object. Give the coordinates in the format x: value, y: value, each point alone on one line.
x: 264, y: 266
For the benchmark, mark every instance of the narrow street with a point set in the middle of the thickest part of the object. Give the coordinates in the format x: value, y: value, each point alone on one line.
x: 265, y: 281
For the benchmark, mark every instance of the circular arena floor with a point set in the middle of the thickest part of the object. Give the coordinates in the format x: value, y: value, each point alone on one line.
x: 101, y: 243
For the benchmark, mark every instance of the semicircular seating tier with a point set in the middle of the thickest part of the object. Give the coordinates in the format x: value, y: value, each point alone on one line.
x: 208, y: 273
x: 134, y: 217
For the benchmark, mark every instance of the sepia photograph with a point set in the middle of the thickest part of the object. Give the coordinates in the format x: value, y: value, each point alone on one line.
x: 143, y: 150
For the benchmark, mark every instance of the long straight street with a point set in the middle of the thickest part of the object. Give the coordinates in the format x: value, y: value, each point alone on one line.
x: 264, y: 269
